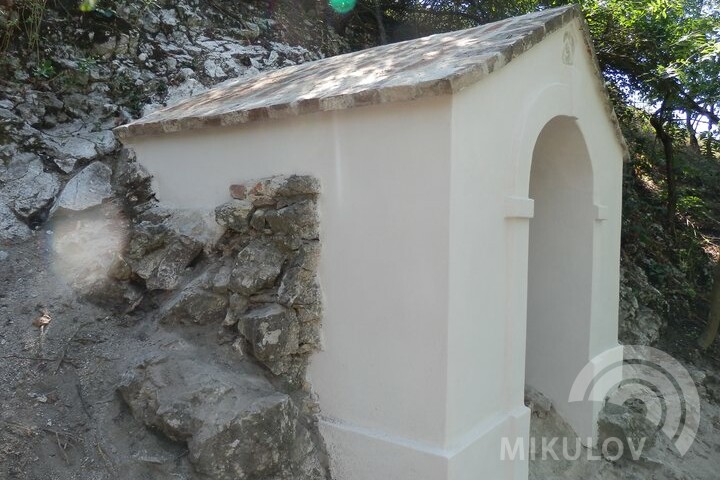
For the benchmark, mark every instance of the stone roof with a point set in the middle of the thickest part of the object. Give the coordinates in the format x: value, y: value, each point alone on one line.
x: 439, y: 64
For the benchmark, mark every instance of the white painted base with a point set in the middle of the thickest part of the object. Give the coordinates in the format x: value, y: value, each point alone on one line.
x: 358, y: 453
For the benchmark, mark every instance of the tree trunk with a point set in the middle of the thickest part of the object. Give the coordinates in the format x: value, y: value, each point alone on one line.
x: 382, y: 34
x: 694, y: 145
x: 711, y: 331
x: 670, y: 180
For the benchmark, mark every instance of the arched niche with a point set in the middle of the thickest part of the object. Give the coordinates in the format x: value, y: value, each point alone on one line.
x: 560, y: 266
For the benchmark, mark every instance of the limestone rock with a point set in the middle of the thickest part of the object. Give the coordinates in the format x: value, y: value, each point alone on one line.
x: 146, y: 238
x: 27, y: 188
x: 66, y: 164
x: 299, y: 285
x: 234, y: 214
x: 166, y: 241
x: 120, y: 269
x: 273, y: 334
x: 116, y: 295
x: 195, y: 305
x: 538, y: 403
x: 237, y: 305
x: 258, y: 266
x: 197, y: 225
x: 221, y: 280
x: 257, y: 221
x: 308, y: 313
x: 267, y: 191
x: 133, y: 181
x: 297, y: 219
x: 641, y: 307
x: 167, y: 267
x: 626, y: 423
x: 176, y: 94
x: 72, y: 146
x: 89, y: 188
x: 11, y: 229
x: 236, y: 425
x: 104, y: 141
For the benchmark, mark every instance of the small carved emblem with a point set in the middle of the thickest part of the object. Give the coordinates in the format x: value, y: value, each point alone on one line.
x: 568, y: 53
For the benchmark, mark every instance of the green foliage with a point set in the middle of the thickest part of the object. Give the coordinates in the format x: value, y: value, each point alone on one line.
x: 86, y: 64
x: 692, y: 205
x: 662, y: 51
x: 44, y: 69
x: 666, y: 50
x: 88, y: 5
x: 22, y: 18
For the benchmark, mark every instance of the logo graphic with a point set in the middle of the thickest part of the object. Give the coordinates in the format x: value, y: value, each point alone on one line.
x: 660, y: 382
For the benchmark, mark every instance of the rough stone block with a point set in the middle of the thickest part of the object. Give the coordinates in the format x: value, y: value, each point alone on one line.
x: 89, y: 188
x: 258, y: 266
x: 195, y: 305
x: 234, y: 215
x: 27, y: 188
x: 297, y: 219
x: 172, y: 263
x: 273, y: 333
x: 236, y: 425
x: 237, y: 305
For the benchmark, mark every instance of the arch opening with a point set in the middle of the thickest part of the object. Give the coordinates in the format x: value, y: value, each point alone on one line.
x: 560, y: 266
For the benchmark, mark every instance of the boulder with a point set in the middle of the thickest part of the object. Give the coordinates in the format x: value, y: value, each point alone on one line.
x: 89, y: 188
x: 27, y: 188
x: 626, y: 423
x: 235, y: 424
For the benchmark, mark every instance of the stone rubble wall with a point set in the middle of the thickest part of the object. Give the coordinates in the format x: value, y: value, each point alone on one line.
x: 246, y: 278
x: 271, y: 276
x: 258, y: 277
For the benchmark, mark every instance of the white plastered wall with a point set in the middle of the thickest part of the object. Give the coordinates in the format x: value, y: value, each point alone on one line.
x: 494, y: 136
x: 424, y: 217
x: 384, y: 265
